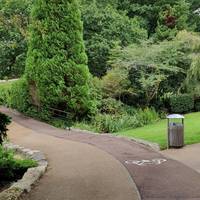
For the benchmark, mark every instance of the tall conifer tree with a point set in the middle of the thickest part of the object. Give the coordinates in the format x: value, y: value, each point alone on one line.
x: 56, y: 66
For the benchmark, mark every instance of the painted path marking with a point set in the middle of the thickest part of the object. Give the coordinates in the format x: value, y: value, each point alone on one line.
x: 156, y: 161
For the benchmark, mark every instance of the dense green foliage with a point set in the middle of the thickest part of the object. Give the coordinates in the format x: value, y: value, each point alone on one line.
x: 141, y: 54
x: 4, y: 121
x: 191, y: 84
x: 148, y: 71
x: 109, y: 123
x: 115, y: 116
x: 105, y: 24
x: 103, y: 28
x: 5, y: 92
x: 13, y: 45
x: 164, y: 17
x: 183, y: 103
x: 18, y: 95
x: 194, y: 17
x: 12, y: 169
x: 172, y: 19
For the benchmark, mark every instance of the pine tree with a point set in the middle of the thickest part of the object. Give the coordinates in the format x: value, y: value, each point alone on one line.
x: 56, y: 66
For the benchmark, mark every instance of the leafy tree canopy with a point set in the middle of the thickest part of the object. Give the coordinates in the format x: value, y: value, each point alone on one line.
x: 13, y: 26
x: 103, y: 28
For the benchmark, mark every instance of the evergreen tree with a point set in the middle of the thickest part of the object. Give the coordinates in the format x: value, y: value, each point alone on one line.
x: 56, y: 66
x: 172, y: 20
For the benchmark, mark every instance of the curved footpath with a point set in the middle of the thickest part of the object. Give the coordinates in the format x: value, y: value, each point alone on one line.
x: 94, y: 167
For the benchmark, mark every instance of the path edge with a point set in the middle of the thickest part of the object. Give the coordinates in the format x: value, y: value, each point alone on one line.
x: 145, y: 143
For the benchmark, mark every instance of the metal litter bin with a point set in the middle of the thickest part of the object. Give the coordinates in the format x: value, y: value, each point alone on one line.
x: 175, y: 131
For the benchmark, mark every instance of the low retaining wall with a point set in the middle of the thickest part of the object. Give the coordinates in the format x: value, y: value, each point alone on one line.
x: 30, y: 177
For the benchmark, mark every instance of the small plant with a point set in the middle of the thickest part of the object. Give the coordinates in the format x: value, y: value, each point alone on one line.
x: 4, y: 121
x: 12, y: 169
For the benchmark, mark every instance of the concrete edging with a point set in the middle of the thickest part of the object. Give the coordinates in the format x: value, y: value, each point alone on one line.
x: 30, y: 177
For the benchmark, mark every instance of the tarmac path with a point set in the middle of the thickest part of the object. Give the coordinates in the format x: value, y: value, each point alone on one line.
x: 101, y: 167
x: 188, y: 155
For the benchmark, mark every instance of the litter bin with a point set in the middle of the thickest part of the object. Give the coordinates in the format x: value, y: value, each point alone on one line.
x: 175, y: 131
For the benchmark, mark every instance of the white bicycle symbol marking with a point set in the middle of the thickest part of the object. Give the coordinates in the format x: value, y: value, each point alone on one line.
x: 156, y: 161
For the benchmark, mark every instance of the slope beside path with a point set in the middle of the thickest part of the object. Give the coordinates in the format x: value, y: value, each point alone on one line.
x: 87, y: 166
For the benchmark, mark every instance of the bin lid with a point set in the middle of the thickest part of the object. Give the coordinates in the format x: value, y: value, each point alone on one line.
x: 175, y: 116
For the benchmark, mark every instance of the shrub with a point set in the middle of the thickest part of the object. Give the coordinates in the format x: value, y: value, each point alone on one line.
x: 19, y: 96
x: 12, y: 169
x: 113, y: 123
x: 56, y: 67
x: 3, y: 95
x: 111, y: 106
x: 4, y: 121
x: 146, y: 116
x: 130, y: 118
x: 13, y: 46
x: 182, y: 103
x: 5, y: 92
x: 115, y: 83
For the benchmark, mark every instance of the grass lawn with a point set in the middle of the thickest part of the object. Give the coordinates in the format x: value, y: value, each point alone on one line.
x: 6, y: 84
x: 158, y: 132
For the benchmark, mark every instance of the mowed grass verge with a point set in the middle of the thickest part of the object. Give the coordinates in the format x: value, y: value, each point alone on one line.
x: 7, y: 84
x: 157, y: 132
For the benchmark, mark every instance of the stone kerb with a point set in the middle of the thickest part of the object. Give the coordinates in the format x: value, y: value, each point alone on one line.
x: 30, y: 177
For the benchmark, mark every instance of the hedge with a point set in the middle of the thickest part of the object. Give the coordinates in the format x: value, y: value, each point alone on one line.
x: 182, y: 103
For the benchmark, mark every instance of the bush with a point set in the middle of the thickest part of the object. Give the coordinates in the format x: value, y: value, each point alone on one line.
x: 5, y: 92
x: 130, y: 118
x: 3, y: 96
x: 19, y: 96
x: 147, y: 116
x: 11, y: 169
x: 182, y: 103
x: 111, y: 106
x: 113, y: 123
x: 4, y: 121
